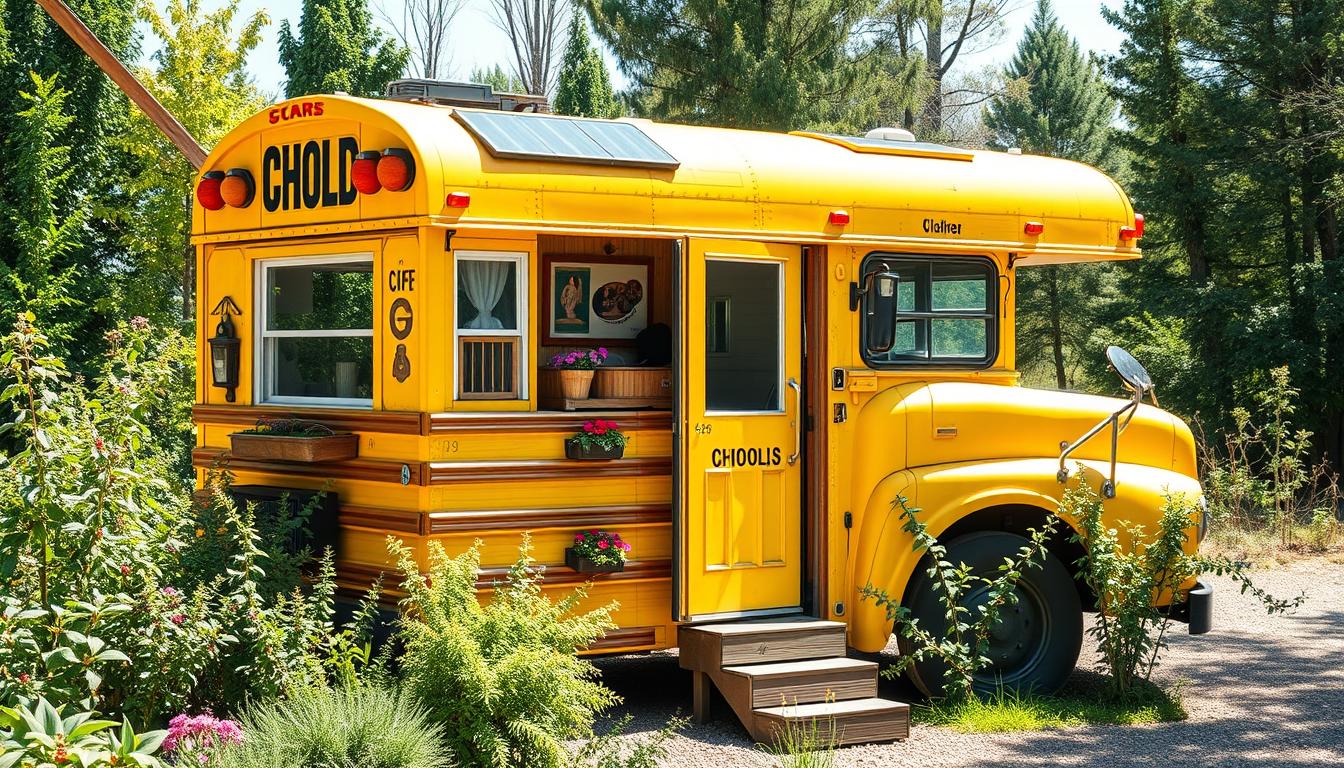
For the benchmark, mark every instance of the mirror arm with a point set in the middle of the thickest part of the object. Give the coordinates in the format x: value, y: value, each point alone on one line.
x: 1112, y: 421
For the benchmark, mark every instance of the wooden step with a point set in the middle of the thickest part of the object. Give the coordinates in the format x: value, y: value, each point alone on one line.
x: 805, y: 682
x: 857, y: 721
x: 710, y: 647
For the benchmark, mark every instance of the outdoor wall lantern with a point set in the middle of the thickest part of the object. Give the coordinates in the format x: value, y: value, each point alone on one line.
x: 224, y: 346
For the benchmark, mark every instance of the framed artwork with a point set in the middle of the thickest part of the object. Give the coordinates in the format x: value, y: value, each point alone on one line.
x: 595, y: 299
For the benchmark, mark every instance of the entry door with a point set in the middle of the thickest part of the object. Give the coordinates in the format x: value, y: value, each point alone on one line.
x: 740, y: 436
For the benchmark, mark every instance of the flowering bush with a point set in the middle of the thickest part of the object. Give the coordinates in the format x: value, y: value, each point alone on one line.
x: 600, y: 433
x: 193, y: 739
x: 601, y: 547
x: 579, y: 359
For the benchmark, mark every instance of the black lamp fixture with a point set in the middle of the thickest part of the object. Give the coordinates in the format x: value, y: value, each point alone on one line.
x: 224, y: 346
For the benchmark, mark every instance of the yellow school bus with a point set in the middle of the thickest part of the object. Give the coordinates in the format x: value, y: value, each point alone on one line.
x: 801, y: 327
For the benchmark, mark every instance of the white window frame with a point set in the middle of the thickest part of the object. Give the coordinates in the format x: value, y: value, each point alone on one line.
x: 520, y: 260
x: 264, y: 352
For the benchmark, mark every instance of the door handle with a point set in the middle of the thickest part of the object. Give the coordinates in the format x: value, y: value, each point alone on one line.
x: 797, y: 420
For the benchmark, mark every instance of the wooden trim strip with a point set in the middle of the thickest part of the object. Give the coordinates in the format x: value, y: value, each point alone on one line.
x: 353, y: 420
x: 400, y: 520
x: 625, y: 637
x: 358, y: 576
x: 538, y: 519
x: 544, y: 421
x: 446, y: 472
x: 354, y: 469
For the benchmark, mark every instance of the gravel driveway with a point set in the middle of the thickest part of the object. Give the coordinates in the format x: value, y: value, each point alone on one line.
x: 1262, y: 691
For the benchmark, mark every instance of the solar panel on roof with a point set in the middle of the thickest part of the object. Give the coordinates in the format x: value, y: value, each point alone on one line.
x: 526, y: 136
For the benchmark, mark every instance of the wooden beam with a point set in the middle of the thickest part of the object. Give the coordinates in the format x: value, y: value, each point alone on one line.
x: 133, y: 88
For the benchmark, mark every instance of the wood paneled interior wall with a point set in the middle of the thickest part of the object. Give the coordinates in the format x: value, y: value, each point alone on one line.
x: 659, y: 250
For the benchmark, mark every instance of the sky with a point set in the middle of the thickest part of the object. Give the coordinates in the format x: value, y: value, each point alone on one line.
x: 476, y: 41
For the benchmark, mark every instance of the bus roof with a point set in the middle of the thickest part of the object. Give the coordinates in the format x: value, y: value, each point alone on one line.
x: 719, y: 182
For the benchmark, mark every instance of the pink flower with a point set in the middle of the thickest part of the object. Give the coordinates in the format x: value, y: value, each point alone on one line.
x: 592, y: 356
x: 98, y: 443
x: 578, y: 537
x: 179, y: 619
x: 625, y: 545
x: 24, y: 678
x: 602, y: 544
x: 139, y: 322
x: 603, y: 352
x: 125, y: 570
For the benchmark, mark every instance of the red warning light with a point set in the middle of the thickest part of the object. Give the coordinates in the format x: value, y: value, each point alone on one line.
x: 1033, y: 228
x: 207, y: 191
x: 838, y: 218
x: 458, y: 199
x: 364, y: 172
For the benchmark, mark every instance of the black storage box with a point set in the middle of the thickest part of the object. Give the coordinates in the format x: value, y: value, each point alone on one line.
x: 266, y: 500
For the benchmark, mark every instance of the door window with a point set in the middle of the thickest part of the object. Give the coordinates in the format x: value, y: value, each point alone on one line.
x: 743, y: 362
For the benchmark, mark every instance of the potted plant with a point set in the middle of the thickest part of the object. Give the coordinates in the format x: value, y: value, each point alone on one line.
x: 575, y: 370
x: 597, y: 552
x: 294, y: 440
x: 599, y: 439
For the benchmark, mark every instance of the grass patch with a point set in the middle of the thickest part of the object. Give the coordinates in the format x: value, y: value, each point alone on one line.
x: 1008, y: 711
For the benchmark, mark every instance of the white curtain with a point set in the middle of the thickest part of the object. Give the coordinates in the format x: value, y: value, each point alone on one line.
x: 483, y: 282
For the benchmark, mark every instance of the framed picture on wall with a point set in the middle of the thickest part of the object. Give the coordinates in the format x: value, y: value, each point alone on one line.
x: 593, y: 299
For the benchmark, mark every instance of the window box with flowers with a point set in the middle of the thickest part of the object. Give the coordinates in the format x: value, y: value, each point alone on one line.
x: 598, y: 440
x: 597, y: 552
x: 293, y: 440
x: 570, y: 375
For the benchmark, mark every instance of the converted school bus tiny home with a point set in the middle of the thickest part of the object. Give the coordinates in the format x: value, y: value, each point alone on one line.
x: 841, y: 331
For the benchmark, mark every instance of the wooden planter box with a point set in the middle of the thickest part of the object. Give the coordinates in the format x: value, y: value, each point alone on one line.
x: 308, y: 450
x: 584, y: 565
x: 625, y: 381
x: 580, y: 453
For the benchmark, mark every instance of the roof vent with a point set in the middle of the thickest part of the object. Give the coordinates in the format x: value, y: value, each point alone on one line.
x: 450, y: 94
x: 890, y: 134
x: 1014, y: 150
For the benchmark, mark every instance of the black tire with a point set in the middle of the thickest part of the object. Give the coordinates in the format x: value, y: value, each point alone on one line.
x: 1037, y: 643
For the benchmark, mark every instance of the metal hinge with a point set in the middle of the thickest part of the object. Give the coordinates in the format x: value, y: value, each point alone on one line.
x: 849, y: 519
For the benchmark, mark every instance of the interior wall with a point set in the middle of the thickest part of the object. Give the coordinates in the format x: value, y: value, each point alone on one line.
x: 571, y: 247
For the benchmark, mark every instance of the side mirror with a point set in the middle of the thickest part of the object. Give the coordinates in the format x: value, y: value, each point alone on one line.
x: 880, y: 311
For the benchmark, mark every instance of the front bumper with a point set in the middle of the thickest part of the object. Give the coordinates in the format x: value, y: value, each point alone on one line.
x: 1196, y: 610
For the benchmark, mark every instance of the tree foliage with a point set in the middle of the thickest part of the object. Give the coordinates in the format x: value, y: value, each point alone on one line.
x: 585, y: 86
x: 337, y: 47
x: 200, y: 76
x: 781, y: 66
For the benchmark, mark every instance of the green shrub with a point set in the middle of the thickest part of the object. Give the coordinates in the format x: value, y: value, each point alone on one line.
x: 963, y: 648
x: 503, y: 677
x: 101, y: 611
x: 41, y: 736
x: 1127, y: 567
x: 361, y: 726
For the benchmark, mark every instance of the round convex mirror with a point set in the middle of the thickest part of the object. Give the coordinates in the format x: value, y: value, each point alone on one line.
x: 1131, y: 371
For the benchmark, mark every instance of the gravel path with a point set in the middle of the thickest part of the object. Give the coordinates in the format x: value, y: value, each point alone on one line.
x: 1262, y: 691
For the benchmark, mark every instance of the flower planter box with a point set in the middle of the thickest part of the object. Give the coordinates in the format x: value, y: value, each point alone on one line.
x: 305, y: 449
x: 577, y: 562
x: 591, y: 453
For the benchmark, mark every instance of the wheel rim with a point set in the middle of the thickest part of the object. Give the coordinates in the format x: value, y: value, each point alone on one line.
x: 1018, y: 643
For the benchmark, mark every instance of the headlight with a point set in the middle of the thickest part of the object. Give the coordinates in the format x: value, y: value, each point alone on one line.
x: 1203, y: 518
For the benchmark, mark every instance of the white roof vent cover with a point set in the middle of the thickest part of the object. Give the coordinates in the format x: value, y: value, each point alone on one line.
x: 890, y: 134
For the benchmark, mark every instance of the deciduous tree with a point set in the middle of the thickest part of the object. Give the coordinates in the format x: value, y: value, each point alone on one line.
x: 533, y: 28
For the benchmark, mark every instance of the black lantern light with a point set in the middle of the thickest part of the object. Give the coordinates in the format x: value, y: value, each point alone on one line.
x: 224, y: 346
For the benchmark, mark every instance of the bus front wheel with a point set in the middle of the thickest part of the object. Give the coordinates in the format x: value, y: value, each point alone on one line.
x: 1036, y: 643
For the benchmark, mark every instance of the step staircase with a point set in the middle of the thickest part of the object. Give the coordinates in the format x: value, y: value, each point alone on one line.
x: 774, y: 672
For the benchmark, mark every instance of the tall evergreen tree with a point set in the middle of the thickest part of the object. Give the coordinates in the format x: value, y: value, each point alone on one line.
x: 338, y: 48
x: 585, y: 87
x: 1065, y: 112
x: 498, y: 79
x: 742, y: 63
